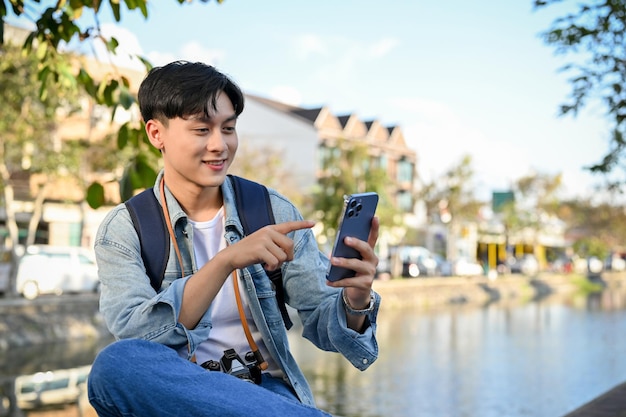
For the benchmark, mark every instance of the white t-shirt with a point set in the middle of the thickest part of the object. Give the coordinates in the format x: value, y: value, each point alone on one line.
x: 227, y: 331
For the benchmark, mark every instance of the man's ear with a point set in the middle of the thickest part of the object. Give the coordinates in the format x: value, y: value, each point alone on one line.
x: 154, y: 130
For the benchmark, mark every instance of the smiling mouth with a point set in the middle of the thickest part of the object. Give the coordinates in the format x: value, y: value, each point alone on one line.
x: 215, y: 163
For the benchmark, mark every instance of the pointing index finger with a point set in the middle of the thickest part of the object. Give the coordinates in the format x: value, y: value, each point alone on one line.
x: 288, y: 227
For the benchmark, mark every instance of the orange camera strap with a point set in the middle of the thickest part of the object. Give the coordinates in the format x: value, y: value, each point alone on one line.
x: 242, y: 315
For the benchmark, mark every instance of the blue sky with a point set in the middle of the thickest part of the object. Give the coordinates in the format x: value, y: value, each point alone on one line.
x: 458, y: 76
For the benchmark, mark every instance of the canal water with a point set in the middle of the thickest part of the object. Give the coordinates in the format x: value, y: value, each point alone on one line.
x: 543, y: 358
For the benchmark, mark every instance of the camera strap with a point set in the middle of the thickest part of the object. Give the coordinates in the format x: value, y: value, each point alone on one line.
x: 242, y: 315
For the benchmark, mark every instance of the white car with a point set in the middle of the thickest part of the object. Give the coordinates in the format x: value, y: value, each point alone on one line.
x: 464, y: 267
x: 56, y: 270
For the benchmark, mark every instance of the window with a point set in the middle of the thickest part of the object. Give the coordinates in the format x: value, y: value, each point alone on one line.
x: 405, y: 171
x: 405, y: 202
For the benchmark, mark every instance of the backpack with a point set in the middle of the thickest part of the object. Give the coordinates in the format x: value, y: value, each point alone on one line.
x: 255, y: 211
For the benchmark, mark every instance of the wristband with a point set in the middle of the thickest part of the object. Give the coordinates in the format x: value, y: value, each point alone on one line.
x: 362, y: 312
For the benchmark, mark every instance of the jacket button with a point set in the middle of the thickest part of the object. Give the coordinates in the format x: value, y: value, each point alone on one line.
x: 365, y: 361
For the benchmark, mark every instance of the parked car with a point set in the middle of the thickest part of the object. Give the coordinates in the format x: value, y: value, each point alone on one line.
x: 56, y: 270
x: 52, y: 388
x: 417, y: 261
x: 464, y: 267
x: 527, y: 265
x: 614, y: 262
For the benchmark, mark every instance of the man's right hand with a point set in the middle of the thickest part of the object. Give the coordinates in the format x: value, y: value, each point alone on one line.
x: 268, y: 246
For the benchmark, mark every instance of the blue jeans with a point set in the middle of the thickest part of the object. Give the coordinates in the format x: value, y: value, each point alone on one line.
x: 135, y: 377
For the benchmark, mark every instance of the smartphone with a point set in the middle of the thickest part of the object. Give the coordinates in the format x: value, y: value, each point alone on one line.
x: 355, y: 221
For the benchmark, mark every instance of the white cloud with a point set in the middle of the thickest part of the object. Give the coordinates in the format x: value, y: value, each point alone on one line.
x: 441, y: 138
x: 286, y: 94
x: 192, y: 51
x: 382, y: 47
x: 309, y: 45
x: 128, y: 47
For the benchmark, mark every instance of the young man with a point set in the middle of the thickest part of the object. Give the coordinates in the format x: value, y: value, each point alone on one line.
x: 190, y: 112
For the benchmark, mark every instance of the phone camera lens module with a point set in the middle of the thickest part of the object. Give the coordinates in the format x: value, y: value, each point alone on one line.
x: 352, y: 203
x: 351, y: 213
x: 359, y: 207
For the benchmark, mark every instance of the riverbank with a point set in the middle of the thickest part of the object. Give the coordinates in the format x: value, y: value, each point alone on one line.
x: 430, y: 293
x: 50, y: 320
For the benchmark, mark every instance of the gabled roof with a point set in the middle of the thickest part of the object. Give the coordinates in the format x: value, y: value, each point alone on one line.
x: 309, y: 114
x: 344, y: 120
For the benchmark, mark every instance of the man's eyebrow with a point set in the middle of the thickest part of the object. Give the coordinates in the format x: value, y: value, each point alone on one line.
x: 205, y: 118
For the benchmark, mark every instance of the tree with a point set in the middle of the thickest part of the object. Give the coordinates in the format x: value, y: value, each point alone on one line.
x: 450, y: 203
x: 56, y: 27
x: 274, y: 173
x: 594, y: 228
x: 348, y: 169
x: 451, y: 195
x: 535, y: 204
x: 27, y: 145
x: 597, y: 33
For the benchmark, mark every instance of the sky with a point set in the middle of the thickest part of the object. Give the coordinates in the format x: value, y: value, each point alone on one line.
x: 459, y: 77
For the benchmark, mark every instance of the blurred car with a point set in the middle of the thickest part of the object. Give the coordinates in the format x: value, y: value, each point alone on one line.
x: 527, y: 265
x: 464, y: 267
x: 444, y: 267
x: 417, y: 261
x: 56, y: 270
x: 614, y: 262
x: 594, y: 265
x: 52, y: 388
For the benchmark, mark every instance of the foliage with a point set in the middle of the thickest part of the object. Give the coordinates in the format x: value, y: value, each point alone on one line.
x: 26, y: 121
x: 55, y: 27
x: 596, y: 32
x: 595, y: 228
x: 274, y: 173
x: 585, y: 286
x: 451, y: 195
x: 347, y: 169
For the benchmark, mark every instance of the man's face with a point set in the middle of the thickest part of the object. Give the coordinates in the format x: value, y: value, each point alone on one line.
x: 198, y: 151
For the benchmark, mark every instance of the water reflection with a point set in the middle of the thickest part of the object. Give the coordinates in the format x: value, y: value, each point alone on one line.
x: 538, y: 359
x: 47, y: 381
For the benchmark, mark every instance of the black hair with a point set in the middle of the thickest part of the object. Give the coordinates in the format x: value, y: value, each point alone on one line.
x: 183, y: 89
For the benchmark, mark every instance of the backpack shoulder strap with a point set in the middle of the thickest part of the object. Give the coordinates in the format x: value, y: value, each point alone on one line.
x: 255, y: 211
x: 147, y: 216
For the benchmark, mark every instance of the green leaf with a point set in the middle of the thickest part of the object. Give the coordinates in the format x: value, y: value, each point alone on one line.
x: 126, y: 188
x: 95, y: 195
x: 115, y: 7
x: 122, y: 136
x: 126, y: 99
x: 145, y: 172
x: 112, y: 44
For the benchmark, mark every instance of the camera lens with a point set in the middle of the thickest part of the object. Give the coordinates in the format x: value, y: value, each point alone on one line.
x: 352, y: 203
x: 350, y: 213
x: 359, y: 207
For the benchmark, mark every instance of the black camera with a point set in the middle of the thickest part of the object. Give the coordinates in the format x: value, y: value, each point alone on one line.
x: 232, y: 364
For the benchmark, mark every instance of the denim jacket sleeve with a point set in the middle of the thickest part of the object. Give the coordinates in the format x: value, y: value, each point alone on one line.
x: 319, y: 306
x: 130, y: 306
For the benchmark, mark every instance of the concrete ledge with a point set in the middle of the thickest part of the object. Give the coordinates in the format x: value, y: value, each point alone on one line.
x: 609, y: 404
x: 435, y: 292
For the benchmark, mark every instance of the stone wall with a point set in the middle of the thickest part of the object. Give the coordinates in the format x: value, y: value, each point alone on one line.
x: 50, y: 320
x: 477, y: 291
x: 76, y: 318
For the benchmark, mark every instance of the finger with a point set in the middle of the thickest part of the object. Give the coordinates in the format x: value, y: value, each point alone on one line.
x: 289, y: 227
x: 362, y: 267
x: 364, y: 248
x: 373, y: 236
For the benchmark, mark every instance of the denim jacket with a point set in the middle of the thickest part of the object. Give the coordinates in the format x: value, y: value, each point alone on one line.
x: 132, y: 309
